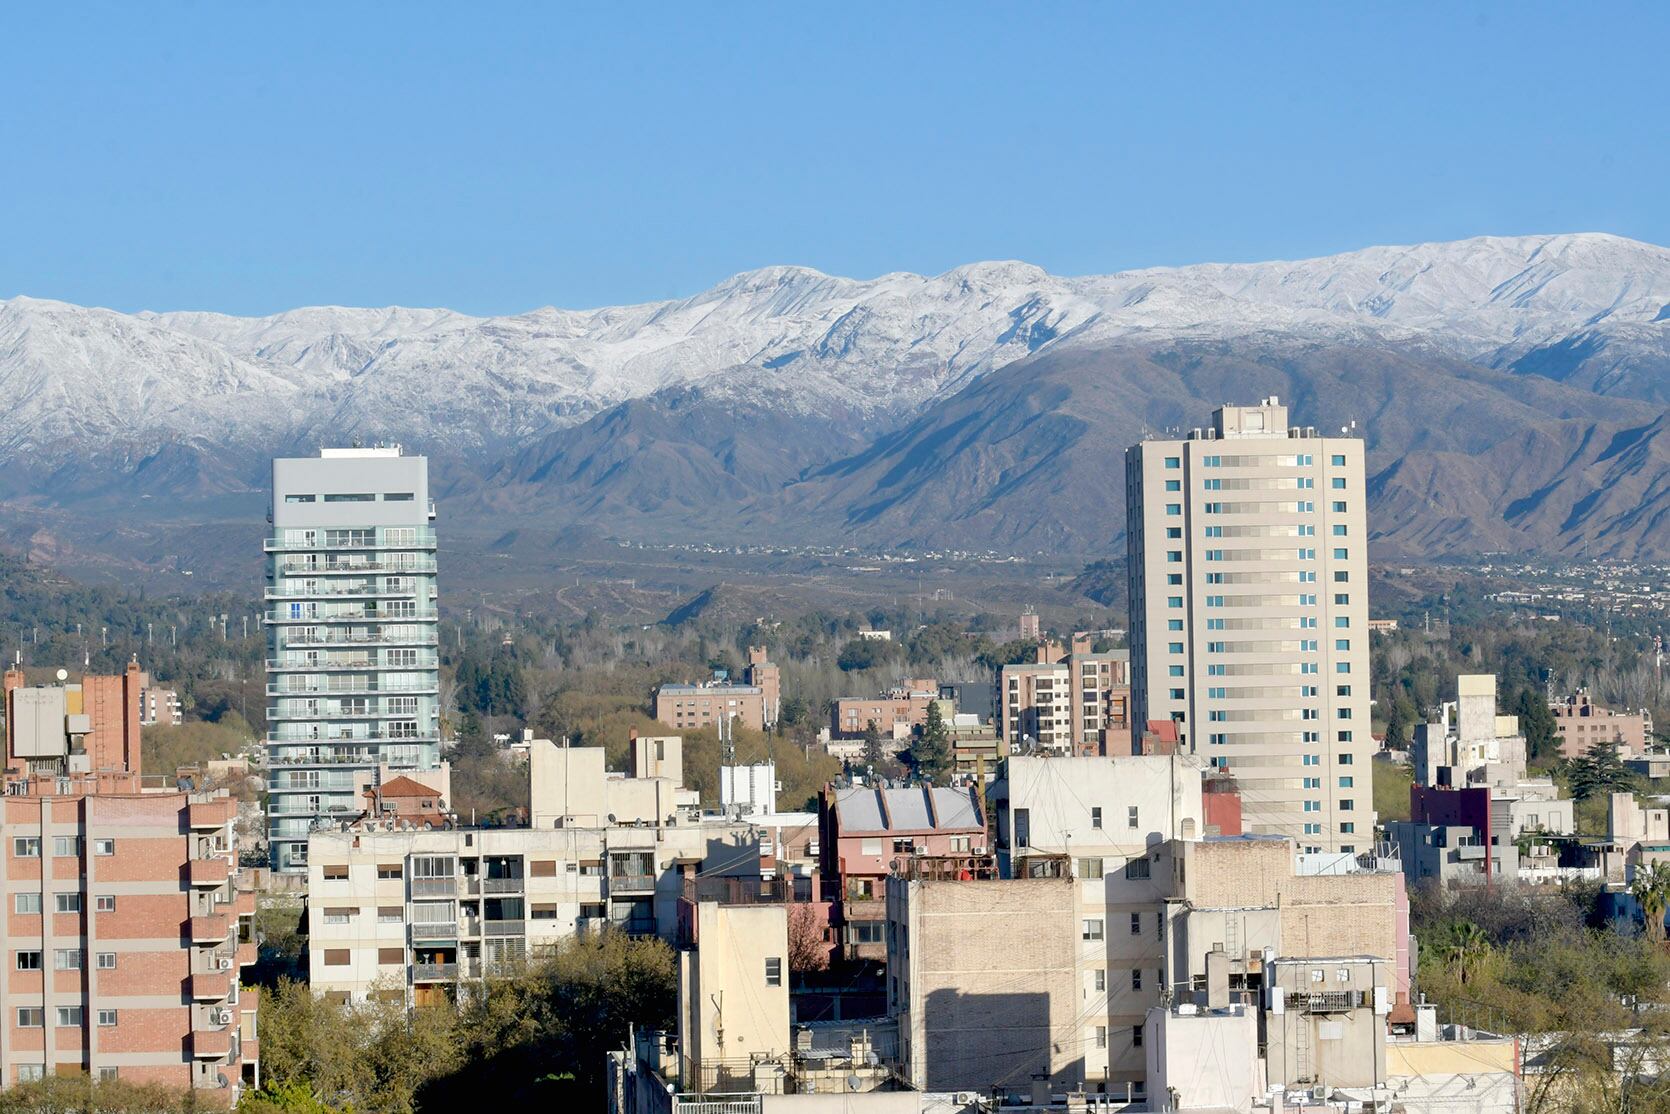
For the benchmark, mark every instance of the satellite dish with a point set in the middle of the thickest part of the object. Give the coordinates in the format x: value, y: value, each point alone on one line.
x: 63, y: 674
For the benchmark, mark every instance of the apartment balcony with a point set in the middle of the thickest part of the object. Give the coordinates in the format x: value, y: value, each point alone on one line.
x: 364, y: 638
x: 294, y: 567
x: 632, y: 884
x: 434, y: 887
x: 505, y: 928
x: 208, y: 872
x: 210, y: 929
x: 211, y: 1044
x: 356, y: 689
x: 324, y: 715
x: 332, y: 590
x: 469, y: 927
x: 246, y: 954
x: 243, y: 905
x: 434, y: 972
x: 282, y: 617
x: 209, y: 815
x: 502, y: 885
x: 424, y: 539
x: 434, y: 932
x: 212, y: 987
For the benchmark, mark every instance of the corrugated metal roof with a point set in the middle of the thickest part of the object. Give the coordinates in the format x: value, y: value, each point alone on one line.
x: 887, y: 810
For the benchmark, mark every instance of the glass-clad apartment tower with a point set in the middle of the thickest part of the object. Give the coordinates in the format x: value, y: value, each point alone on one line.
x: 352, y: 672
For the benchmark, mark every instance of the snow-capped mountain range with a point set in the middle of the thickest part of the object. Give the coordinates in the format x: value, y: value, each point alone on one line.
x: 96, y: 391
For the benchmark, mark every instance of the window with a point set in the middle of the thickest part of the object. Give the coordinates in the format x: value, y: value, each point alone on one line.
x: 1095, y: 817
x: 69, y: 959
x: 1173, y: 533
x: 1136, y: 978
x: 104, y: 847
x: 28, y: 961
x: 1344, y: 736
x: 69, y: 1015
x: 1342, y: 578
x: 1346, y: 783
x: 1136, y: 924
x: 869, y: 847
x: 336, y: 957
x: 1345, y: 760
x: 1174, y: 580
x: 1131, y: 817
x: 397, y: 497
x: 1313, y: 806
x: 1174, y: 647
x: 26, y: 903
x: 545, y: 912
x: 773, y: 971
x: 1347, y: 805
x: 1092, y: 929
x: 1136, y: 1036
x: 339, y: 916
x: 1177, y: 694
x: 1136, y: 869
x: 1099, y: 980
x: 1174, y: 508
x: 336, y: 872
x: 26, y: 847
x: 1174, y: 485
x: 391, y: 957
x: 109, y: 1075
x: 31, y: 1017
x: 104, y: 903
x: 542, y: 868
x: 1090, y: 868
x: 390, y: 914
x: 300, y: 498
x: 1174, y: 462
x: 1174, y: 670
x: 1174, y: 624
x: 1342, y: 644
x: 1339, y: 530
x: 387, y: 871
x: 1348, y: 828
x: 1342, y: 690
x: 67, y: 903
x: 1101, y: 1036
x: 1174, y: 601
x: 65, y: 846
x: 1337, y: 483
x: 1339, y: 506
x: 351, y: 497
x: 107, y: 1017
x: 1338, y: 460
x: 107, y: 961
x: 865, y: 932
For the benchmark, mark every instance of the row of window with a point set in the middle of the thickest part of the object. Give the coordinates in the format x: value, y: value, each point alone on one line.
x: 30, y: 903
x: 29, y: 847
x: 34, y: 1017
x: 355, y: 497
x: 65, y: 959
x: 1303, y: 460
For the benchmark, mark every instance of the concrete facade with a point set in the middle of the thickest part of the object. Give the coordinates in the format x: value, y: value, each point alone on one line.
x: 981, y: 1007
x: 1067, y: 703
x: 1580, y: 723
x: 733, y: 992
x: 1247, y: 547
x: 352, y: 673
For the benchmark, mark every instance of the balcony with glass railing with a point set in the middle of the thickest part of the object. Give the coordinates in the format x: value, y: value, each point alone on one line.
x: 332, y: 589
x: 327, y: 637
x: 335, y: 539
x: 412, y: 564
x: 423, y: 663
x: 301, y: 613
x: 296, y: 712
x: 309, y: 686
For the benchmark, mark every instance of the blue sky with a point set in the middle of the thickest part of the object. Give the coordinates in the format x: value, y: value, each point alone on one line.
x: 498, y: 157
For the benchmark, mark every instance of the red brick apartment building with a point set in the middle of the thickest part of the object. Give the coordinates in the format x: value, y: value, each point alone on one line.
x: 127, y: 920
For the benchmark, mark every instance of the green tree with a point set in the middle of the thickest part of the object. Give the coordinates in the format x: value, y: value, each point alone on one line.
x: 1599, y: 772
x: 930, y: 752
x: 1401, y: 716
x: 1465, y: 949
x: 873, y: 753
x: 1651, y: 888
x: 1536, y: 723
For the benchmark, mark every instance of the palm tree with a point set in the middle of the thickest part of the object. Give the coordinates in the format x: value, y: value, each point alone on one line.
x: 1651, y: 888
x: 1468, y: 946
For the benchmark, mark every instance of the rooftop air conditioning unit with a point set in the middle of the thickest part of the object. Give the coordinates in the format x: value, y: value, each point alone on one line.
x: 223, y: 963
x: 223, y: 1017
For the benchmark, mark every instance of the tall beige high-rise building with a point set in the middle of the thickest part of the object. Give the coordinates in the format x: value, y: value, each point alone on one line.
x: 1249, y: 615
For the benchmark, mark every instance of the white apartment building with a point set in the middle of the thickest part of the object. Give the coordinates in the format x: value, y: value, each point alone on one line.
x: 412, y: 913
x: 352, y: 673
x: 1249, y: 615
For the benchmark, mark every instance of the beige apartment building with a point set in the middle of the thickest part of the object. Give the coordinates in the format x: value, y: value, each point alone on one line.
x: 1068, y: 703
x: 733, y: 993
x: 1249, y: 615
x: 1580, y: 723
x: 410, y: 913
x: 755, y: 703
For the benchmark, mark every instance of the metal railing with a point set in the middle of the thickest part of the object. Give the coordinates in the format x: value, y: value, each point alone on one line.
x: 502, y: 885
x: 359, y: 615
x: 339, y: 689
x: 434, y: 887
x: 424, y: 638
x: 505, y: 928
x: 432, y: 972
x: 632, y: 883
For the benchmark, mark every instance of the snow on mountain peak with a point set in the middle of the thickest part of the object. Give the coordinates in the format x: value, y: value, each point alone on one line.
x: 886, y: 345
